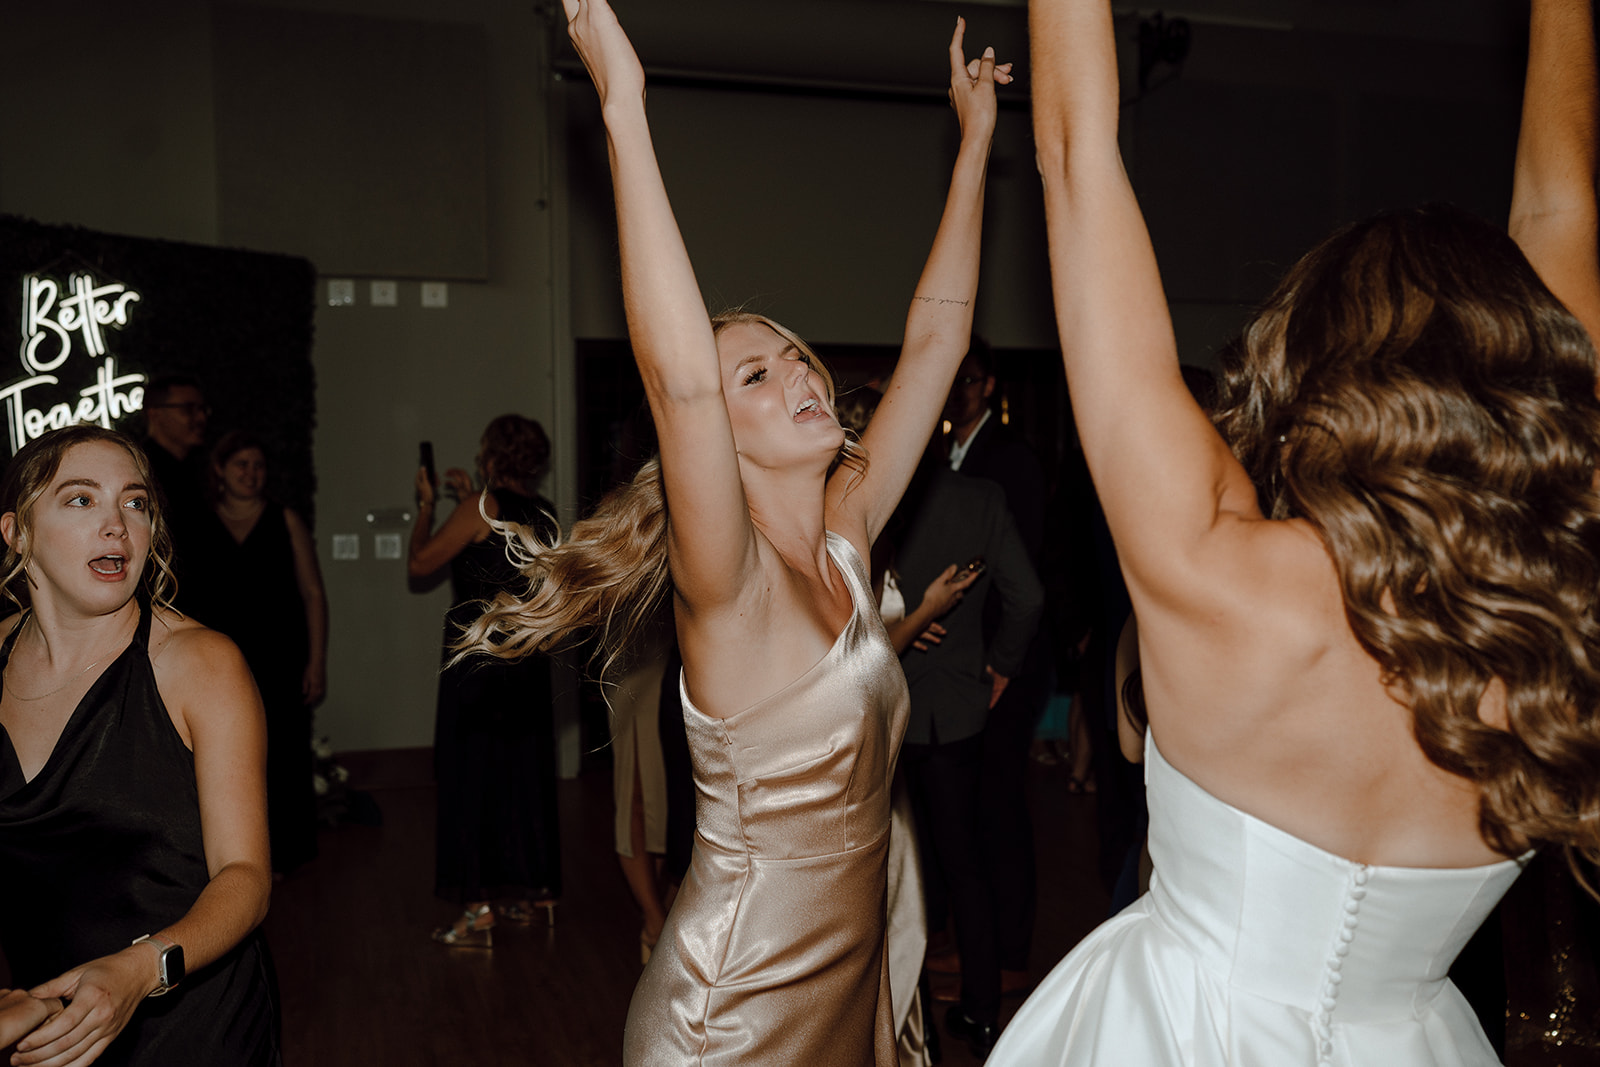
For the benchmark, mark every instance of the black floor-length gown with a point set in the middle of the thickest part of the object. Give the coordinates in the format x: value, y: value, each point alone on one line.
x: 251, y: 593
x: 103, y: 846
x: 494, y: 743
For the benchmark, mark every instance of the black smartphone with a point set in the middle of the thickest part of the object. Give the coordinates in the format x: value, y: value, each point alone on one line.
x: 426, y: 452
x: 974, y: 566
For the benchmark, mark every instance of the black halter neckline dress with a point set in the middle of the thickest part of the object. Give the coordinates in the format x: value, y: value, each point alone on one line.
x: 102, y: 846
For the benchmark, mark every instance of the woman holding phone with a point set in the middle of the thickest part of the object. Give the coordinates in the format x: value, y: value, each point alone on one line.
x: 498, y: 834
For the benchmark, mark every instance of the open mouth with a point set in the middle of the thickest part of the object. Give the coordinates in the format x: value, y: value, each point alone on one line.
x: 807, y: 407
x: 108, y: 565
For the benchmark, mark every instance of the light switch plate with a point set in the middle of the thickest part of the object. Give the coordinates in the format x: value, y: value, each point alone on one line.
x: 346, y: 546
x: 386, y: 546
x: 384, y: 294
x: 341, y: 292
x: 435, y: 294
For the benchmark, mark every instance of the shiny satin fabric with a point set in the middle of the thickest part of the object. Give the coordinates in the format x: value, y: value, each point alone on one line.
x: 774, y: 951
x: 908, y: 932
x: 1254, y: 947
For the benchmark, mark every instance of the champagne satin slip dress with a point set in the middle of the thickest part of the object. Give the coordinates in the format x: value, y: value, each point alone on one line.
x: 774, y: 951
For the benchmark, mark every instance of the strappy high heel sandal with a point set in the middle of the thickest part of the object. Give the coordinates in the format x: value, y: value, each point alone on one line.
x: 475, y: 929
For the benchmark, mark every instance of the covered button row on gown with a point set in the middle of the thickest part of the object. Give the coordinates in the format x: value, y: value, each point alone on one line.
x: 1332, y: 971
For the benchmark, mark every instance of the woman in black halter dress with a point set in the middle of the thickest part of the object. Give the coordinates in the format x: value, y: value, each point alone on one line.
x: 494, y: 751
x: 132, y: 796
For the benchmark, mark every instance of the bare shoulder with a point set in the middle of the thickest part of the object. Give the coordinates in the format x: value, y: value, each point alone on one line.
x: 1246, y: 572
x: 1261, y: 613
x: 849, y: 523
x: 202, y: 678
x: 297, y: 525
x: 779, y: 626
x: 1268, y: 552
x: 185, y: 652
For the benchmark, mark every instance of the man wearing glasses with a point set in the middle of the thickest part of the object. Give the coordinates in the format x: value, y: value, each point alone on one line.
x: 175, y: 412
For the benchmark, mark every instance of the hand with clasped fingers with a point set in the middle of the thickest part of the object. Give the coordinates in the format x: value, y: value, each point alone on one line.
x: 21, y: 1013
x: 99, y: 997
x: 605, y: 50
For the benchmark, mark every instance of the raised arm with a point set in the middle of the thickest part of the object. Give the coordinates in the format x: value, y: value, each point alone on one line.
x: 1163, y: 474
x: 1553, y: 214
x: 712, y: 543
x: 939, y: 323
x: 429, y: 549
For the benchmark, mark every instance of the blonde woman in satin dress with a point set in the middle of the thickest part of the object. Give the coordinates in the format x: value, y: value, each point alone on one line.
x: 793, y: 699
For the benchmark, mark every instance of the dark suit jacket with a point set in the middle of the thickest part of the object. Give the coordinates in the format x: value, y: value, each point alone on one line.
x: 954, y: 519
x: 1002, y: 455
x: 187, y: 510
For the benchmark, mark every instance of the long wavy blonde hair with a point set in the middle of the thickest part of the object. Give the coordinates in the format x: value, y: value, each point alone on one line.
x: 1415, y: 392
x: 606, y: 579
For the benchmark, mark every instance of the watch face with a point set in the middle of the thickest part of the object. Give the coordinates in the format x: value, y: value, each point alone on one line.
x: 172, y: 966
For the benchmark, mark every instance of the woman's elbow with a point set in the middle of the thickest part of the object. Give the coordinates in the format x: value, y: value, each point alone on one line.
x: 250, y: 887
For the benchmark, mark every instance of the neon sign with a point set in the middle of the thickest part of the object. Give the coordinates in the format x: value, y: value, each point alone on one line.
x: 55, y: 326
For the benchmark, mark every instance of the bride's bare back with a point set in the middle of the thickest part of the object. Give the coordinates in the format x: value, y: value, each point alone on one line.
x: 1270, y: 704
x: 1255, y: 682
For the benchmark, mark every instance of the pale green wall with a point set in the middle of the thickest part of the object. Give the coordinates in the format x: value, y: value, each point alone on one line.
x: 819, y: 208
x: 119, y: 136
x: 107, y: 120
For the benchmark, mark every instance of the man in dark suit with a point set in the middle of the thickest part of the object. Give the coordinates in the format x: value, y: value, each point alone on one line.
x: 981, y: 445
x: 952, y: 519
x: 175, y: 413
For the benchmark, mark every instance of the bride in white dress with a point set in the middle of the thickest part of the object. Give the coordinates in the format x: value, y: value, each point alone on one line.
x: 1368, y: 619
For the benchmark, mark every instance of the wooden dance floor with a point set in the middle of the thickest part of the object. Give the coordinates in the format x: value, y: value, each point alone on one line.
x: 364, y: 986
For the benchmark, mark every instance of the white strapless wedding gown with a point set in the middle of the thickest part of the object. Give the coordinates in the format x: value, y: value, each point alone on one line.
x: 1254, y: 948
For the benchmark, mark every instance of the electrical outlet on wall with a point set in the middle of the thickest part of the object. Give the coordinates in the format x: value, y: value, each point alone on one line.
x: 384, y: 294
x: 341, y: 292
x: 346, y: 546
x: 386, y: 546
x: 435, y: 294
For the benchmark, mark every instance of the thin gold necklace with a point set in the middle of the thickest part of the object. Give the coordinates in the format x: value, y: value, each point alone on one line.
x: 70, y: 681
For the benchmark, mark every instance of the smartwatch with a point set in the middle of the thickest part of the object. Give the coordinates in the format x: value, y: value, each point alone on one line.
x: 169, y: 965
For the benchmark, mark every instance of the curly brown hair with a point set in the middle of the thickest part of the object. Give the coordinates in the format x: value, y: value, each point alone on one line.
x: 514, y: 449
x: 27, y: 478
x: 1415, y: 392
